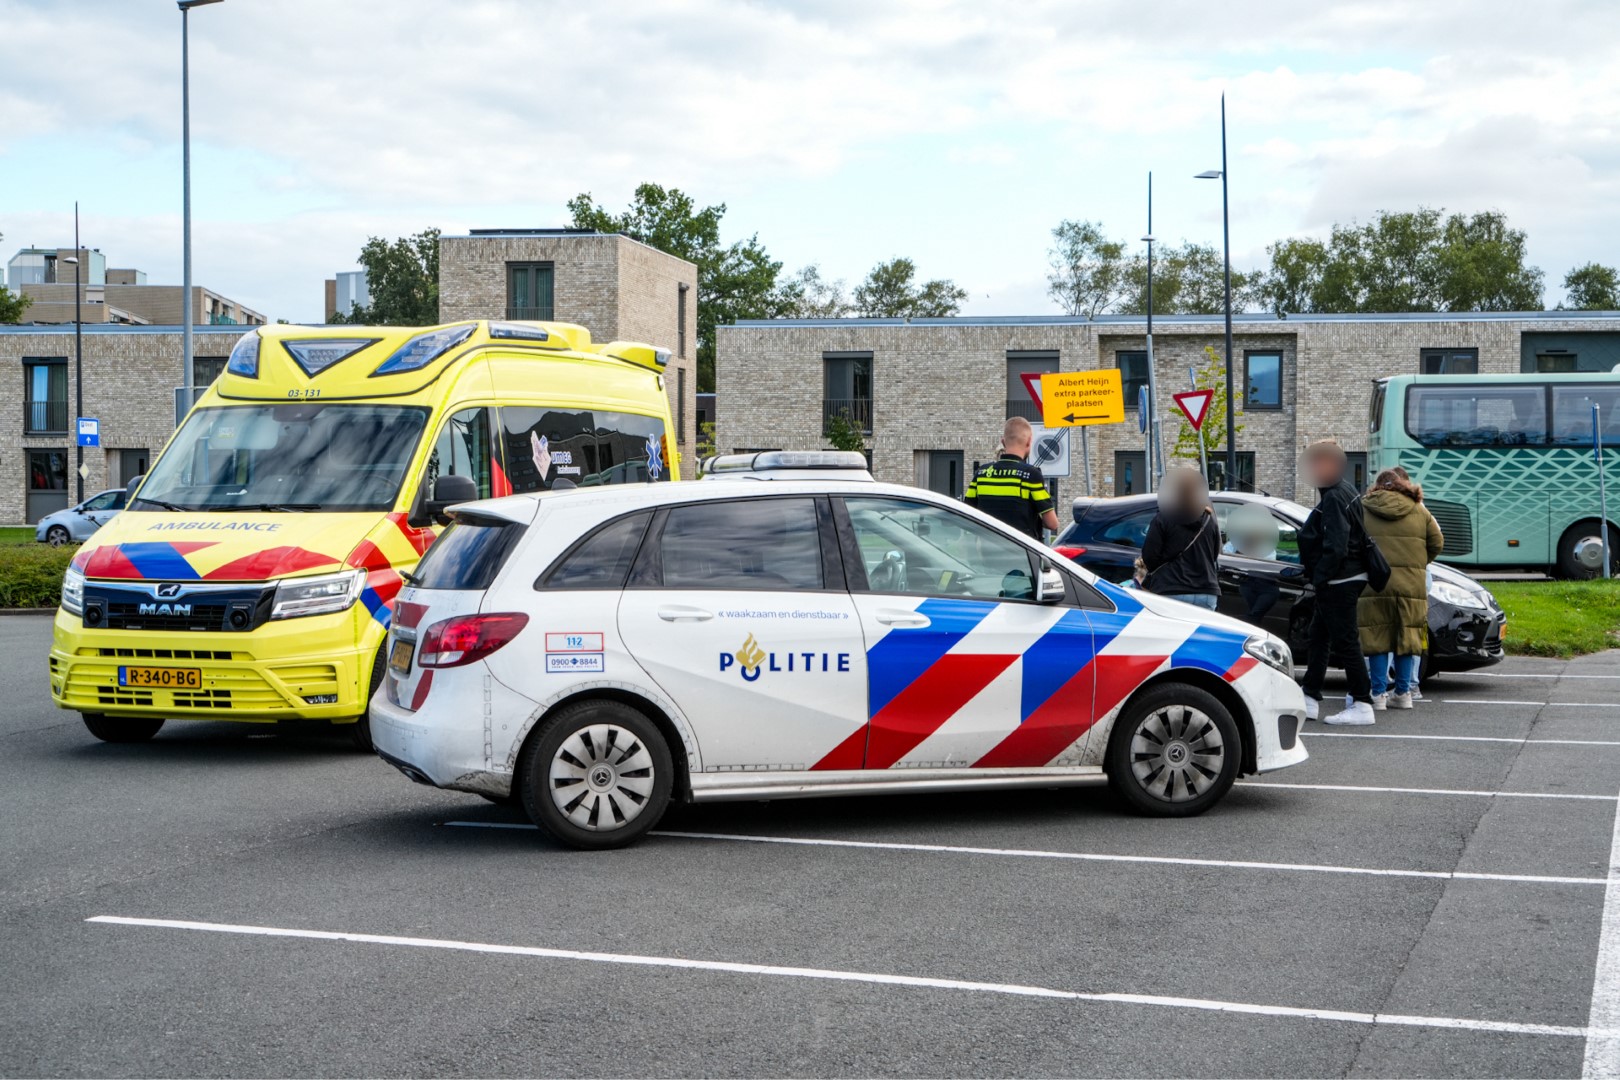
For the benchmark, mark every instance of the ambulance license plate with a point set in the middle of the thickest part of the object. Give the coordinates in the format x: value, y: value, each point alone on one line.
x: 399, y: 657
x: 162, y: 678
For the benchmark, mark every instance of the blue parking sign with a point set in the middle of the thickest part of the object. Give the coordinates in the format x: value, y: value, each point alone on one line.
x: 89, y: 431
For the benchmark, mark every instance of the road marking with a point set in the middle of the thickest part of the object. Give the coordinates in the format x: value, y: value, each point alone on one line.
x: 1603, y: 1050
x: 1540, y: 704
x: 880, y: 979
x: 1428, y: 791
x: 1462, y: 738
x: 1510, y: 675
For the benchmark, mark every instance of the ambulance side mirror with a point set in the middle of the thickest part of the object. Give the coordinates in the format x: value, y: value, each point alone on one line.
x: 447, y: 492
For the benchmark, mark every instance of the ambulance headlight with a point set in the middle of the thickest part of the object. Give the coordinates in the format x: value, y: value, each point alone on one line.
x: 1271, y: 651
x: 320, y: 595
x: 73, y: 592
x: 423, y: 349
x: 244, y: 359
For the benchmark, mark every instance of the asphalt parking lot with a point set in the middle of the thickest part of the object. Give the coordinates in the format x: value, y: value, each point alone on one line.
x: 1427, y: 897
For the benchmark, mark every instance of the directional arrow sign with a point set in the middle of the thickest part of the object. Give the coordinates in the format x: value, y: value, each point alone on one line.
x: 1194, y: 405
x: 1082, y: 398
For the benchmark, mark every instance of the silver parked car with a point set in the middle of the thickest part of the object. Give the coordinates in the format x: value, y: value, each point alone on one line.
x: 75, y: 524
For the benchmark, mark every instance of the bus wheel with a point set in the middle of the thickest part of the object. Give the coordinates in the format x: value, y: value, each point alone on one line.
x: 126, y: 730
x: 1580, y: 550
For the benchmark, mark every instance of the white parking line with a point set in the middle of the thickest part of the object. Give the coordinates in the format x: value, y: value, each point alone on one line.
x: 1461, y: 738
x: 1428, y: 791
x: 1603, y: 1050
x: 1511, y: 675
x: 880, y: 979
x: 1090, y: 856
x: 1539, y: 704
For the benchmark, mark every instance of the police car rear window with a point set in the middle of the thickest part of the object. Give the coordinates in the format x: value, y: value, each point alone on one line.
x: 602, y: 560
x: 467, y: 556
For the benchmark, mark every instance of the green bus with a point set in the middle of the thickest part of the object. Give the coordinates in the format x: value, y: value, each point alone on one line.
x: 1506, y: 463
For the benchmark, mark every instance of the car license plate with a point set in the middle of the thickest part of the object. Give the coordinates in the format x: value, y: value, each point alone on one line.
x: 163, y: 678
x: 399, y: 657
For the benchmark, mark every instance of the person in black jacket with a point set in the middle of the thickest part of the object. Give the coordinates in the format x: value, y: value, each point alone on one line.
x: 1183, y: 543
x: 1331, y: 546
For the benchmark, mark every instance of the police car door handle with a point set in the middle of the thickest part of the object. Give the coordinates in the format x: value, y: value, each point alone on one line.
x: 901, y: 617
x: 682, y: 613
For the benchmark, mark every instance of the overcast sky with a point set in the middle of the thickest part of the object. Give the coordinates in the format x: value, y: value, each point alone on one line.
x: 841, y: 132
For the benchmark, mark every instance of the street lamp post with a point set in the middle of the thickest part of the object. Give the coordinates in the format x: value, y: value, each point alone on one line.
x: 1226, y: 234
x: 185, y: 168
x: 1155, y: 445
x: 78, y: 358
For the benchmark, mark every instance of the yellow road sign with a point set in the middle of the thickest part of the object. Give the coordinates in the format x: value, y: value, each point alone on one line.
x: 1082, y: 398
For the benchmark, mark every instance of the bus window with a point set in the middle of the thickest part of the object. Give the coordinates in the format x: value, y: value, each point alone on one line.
x: 1480, y: 415
x: 1375, y: 409
x: 1572, y: 414
x: 463, y: 449
x: 587, y: 448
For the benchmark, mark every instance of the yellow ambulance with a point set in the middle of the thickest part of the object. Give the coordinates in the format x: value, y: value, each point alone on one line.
x: 253, y: 575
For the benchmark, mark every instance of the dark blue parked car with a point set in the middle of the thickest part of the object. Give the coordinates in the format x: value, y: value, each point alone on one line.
x: 1465, y: 621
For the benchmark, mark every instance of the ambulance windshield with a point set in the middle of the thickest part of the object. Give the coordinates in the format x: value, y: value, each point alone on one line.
x: 298, y: 456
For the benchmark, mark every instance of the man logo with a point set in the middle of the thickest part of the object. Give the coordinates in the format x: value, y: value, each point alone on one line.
x: 169, y: 590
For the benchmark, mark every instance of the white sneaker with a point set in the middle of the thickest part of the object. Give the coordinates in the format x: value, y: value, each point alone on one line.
x: 1313, y: 709
x: 1359, y: 714
x: 1396, y: 701
x: 1382, y: 701
x: 1416, y: 694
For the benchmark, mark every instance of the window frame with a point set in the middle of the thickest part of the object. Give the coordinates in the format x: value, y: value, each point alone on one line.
x: 682, y: 291
x: 863, y: 424
x: 1251, y: 406
x: 29, y: 403
x: 1131, y: 400
x: 1444, y: 354
x: 549, y: 267
x: 647, y: 571
x: 1017, y: 395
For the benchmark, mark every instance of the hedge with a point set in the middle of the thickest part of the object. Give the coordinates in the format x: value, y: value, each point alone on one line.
x: 31, y: 577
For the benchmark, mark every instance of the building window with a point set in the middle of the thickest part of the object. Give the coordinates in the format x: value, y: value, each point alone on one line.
x: 680, y: 318
x: 47, y: 483
x: 1245, y: 471
x: 1019, y: 364
x: 1557, y: 361
x: 1356, y: 470
x: 205, y: 369
x: 1133, y: 373
x: 1262, y: 380
x: 1450, y: 362
x: 529, y: 291
x: 45, y: 397
x: 680, y: 405
x: 941, y: 471
x: 847, y: 390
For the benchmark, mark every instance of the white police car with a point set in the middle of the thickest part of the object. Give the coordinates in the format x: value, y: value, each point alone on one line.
x: 593, y: 654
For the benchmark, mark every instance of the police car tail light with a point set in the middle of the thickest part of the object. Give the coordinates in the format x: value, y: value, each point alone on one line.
x: 467, y: 638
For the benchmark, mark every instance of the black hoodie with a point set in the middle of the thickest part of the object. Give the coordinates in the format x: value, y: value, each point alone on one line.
x: 1330, y: 544
x: 1182, y: 555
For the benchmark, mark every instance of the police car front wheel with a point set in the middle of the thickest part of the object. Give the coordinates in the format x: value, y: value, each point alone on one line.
x: 597, y: 774
x: 1174, y: 751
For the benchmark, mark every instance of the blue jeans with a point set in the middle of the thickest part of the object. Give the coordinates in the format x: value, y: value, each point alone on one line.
x: 1406, y: 668
x: 1203, y: 600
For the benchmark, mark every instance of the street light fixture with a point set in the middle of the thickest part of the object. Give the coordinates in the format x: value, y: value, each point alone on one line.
x: 185, y: 157
x: 1226, y: 235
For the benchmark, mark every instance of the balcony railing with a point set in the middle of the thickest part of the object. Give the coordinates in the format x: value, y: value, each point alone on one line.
x: 529, y: 314
x: 857, y: 410
x: 1022, y: 406
x: 45, y: 417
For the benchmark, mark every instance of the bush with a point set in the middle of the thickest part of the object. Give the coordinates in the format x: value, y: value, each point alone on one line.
x: 32, y: 576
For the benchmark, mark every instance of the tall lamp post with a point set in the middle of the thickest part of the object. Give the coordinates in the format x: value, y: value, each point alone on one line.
x: 1155, y: 443
x: 185, y: 167
x: 78, y: 359
x: 1226, y: 234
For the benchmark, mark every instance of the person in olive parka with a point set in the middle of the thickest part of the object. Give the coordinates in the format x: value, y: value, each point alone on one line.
x: 1394, y: 621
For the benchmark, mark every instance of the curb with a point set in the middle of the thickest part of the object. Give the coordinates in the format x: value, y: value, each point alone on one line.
x: 27, y: 611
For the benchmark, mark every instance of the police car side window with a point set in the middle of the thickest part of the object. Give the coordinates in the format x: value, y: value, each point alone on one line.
x: 921, y: 549
x: 749, y: 544
x: 601, y: 560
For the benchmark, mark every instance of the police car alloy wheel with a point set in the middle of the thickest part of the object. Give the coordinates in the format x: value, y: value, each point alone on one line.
x: 596, y: 775
x: 1174, y: 752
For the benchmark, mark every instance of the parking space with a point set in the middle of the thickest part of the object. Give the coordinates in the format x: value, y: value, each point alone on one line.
x: 1433, y: 896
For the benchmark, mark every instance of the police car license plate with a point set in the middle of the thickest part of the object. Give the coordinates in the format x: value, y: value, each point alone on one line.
x: 399, y: 657
x: 163, y: 678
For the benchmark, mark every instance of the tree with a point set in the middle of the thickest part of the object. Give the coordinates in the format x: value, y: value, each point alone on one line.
x: 734, y: 282
x: 1187, y: 280
x: 888, y: 293
x: 1211, y: 376
x: 842, y: 432
x: 808, y: 295
x: 1088, y: 274
x: 12, y: 305
x: 1482, y: 266
x: 1294, y: 279
x: 403, y: 279
x: 1593, y: 287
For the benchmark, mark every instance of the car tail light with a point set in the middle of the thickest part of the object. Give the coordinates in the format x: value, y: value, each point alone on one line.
x: 467, y: 638
x: 1069, y: 551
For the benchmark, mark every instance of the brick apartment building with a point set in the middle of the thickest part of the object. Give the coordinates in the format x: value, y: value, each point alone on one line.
x: 617, y: 288
x: 932, y: 394
x: 111, y: 295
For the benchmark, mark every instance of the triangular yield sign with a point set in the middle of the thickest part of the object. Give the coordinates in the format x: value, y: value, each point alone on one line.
x: 1194, y: 405
x: 1032, y: 386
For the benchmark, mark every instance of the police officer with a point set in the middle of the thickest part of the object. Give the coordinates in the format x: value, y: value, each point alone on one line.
x: 1012, y: 490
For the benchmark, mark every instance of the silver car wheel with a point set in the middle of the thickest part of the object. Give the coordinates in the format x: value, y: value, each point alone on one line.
x: 1177, y: 753
x: 57, y: 536
x: 601, y: 777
